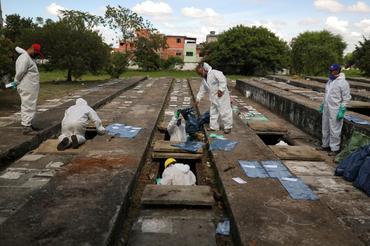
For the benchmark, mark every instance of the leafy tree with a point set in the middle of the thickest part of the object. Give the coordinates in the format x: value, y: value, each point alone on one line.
x: 313, y: 52
x: 6, y: 57
x: 15, y: 25
x: 147, y: 49
x: 247, y: 50
x: 125, y: 21
x: 172, y: 62
x: 70, y: 44
x: 361, y: 56
x: 118, y: 63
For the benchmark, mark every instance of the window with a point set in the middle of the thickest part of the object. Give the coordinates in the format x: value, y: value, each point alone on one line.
x: 178, y: 40
x: 189, y: 53
x: 121, y: 44
x: 178, y: 53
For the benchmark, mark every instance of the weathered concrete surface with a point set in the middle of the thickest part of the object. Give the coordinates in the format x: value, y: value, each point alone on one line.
x: 199, y: 195
x: 360, y: 79
x: 352, y: 83
x: 295, y: 108
x: 261, y: 211
x: 14, y: 144
x: 82, y: 203
x: 174, y: 227
x: 357, y: 94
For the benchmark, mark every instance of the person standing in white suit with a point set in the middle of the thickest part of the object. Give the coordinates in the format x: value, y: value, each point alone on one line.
x: 27, y: 80
x: 215, y: 84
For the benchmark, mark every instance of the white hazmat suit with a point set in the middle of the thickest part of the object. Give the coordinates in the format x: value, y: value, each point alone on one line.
x: 337, y: 93
x: 220, y: 106
x: 177, y: 133
x: 28, y: 85
x: 76, y: 119
x: 178, y: 174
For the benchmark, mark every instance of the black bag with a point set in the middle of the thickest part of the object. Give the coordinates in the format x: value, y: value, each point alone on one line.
x: 193, y: 124
x: 363, y: 178
x: 350, y: 166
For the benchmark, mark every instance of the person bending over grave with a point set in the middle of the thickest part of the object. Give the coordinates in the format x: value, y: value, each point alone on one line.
x: 176, y: 128
x: 75, y: 121
x: 177, y: 174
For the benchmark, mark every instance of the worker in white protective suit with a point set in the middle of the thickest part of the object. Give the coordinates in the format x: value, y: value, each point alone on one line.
x: 27, y: 81
x: 177, y: 174
x: 215, y: 84
x: 176, y: 128
x: 337, y: 96
x: 75, y: 121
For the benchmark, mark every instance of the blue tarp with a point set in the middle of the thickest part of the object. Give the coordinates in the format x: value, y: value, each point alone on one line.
x: 189, y: 146
x: 225, y: 145
x: 276, y: 169
x: 362, y: 180
x: 253, y: 169
x: 122, y: 130
x: 297, y: 189
x: 357, y: 120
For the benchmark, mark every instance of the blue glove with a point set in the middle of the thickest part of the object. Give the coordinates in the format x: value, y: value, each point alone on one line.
x: 14, y: 85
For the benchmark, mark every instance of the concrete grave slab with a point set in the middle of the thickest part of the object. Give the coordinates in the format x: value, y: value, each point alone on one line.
x: 177, y: 195
x: 304, y: 153
x: 32, y: 157
x: 309, y: 168
x: 269, y: 126
x: 50, y: 147
x: 166, y: 146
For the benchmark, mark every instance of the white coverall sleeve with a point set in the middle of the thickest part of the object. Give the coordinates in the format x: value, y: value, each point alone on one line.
x: 171, y: 126
x: 222, y: 81
x: 93, y: 116
x: 346, y: 94
x: 202, y: 90
x: 21, y: 68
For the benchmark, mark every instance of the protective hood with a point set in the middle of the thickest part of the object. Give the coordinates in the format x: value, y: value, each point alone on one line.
x: 182, y: 167
x: 19, y: 50
x: 206, y: 66
x: 81, y: 101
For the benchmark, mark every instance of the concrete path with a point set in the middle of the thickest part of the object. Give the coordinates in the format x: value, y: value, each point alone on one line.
x: 14, y: 144
x: 262, y: 213
x: 78, y: 199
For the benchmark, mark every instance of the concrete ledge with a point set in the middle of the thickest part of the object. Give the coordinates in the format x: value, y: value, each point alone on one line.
x: 296, y: 109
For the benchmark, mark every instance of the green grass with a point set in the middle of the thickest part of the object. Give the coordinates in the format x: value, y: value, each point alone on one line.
x: 353, y: 73
x: 156, y: 74
x: 59, y: 75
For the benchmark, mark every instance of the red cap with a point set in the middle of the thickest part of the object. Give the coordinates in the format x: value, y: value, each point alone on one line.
x: 37, y: 49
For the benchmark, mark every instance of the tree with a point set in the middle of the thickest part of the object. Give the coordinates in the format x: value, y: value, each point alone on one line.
x: 147, y: 49
x: 125, y: 21
x: 118, y: 63
x: 313, y: 52
x: 73, y: 46
x: 361, y: 56
x: 172, y: 62
x: 6, y: 57
x: 15, y: 25
x: 247, y: 50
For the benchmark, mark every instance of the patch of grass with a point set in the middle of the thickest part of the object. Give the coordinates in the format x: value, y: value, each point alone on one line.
x: 156, y: 74
x: 353, y: 73
x: 60, y: 75
x: 235, y: 77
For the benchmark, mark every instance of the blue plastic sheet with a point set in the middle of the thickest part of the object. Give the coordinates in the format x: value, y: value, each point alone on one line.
x: 253, y: 169
x: 297, y: 189
x: 357, y: 120
x: 225, y: 145
x: 276, y: 169
x: 122, y: 130
x: 189, y: 146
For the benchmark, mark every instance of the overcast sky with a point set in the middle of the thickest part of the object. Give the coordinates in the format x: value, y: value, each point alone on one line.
x: 195, y: 18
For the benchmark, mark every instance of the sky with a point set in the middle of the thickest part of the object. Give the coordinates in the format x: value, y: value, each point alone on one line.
x: 195, y: 18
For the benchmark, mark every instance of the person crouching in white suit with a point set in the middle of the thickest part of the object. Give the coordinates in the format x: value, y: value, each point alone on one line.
x: 215, y: 84
x: 177, y: 174
x: 75, y: 121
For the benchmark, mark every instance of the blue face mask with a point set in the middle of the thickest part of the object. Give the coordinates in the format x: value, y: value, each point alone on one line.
x: 332, y: 76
